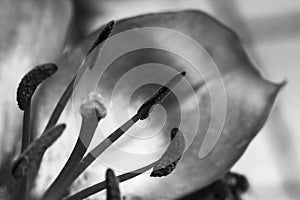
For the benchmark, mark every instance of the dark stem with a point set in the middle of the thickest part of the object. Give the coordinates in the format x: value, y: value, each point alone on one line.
x: 21, y: 193
x: 61, y: 105
x: 102, y: 185
x: 26, y: 127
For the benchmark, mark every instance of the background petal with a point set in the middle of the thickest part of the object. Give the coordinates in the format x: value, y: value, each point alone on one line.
x: 32, y: 32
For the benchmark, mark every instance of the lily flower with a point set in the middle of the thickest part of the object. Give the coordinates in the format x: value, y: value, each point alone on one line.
x: 220, y: 105
x: 233, y: 99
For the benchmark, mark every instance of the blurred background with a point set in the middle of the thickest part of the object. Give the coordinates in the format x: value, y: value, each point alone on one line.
x: 270, y: 31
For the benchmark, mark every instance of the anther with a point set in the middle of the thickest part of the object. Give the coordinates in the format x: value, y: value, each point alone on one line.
x: 30, y: 158
x: 31, y: 80
x: 159, y: 95
x: 112, y: 186
x: 93, y: 106
x: 103, y: 35
x: 172, y: 155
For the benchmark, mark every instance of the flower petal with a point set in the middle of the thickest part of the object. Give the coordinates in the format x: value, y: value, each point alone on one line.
x: 32, y: 33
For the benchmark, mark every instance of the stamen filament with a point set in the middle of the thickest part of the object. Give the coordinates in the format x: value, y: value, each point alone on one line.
x: 26, y: 138
x: 102, y: 185
x: 92, y: 111
x: 61, y: 105
x: 21, y: 193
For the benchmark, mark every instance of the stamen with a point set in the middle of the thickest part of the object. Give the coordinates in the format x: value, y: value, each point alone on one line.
x: 26, y: 89
x: 30, y: 157
x: 171, y: 157
x: 92, y: 111
x: 31, y: 81
x: 112, y: 186
x: 103, y: 35
x: 159, y: 95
